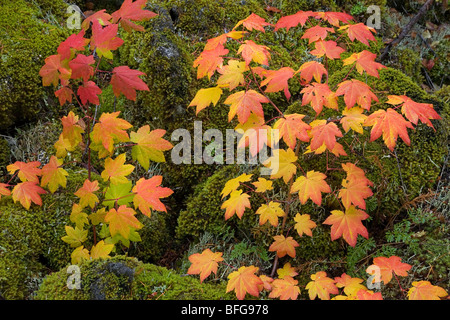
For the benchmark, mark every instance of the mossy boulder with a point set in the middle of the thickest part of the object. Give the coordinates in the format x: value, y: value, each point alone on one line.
x: 123, y: 278
x: 28, y: 37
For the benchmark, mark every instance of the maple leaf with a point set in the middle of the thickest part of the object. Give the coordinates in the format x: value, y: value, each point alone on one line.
x: 263, y: 185
x: 122, y: 221
x: 232, y: 75
x: 125, y: 80
x: 78, y: 217
x: 28, y: 171
x: 391, y: 265
x: 324, y: 133
x: 285, y: 289
x: 424, y: 290
x: 255, y: 133
x: 317, y: 32
x: 291, y: 127
x: 311, y: 187
x: 87, y: 195
x: 149, y: 145
x: 414, y: 111
x: 209, y: 61
x: 282, y: 164
x: 365, y: 61
x: 333, y: 18
x: 353, y: 119
x: 391, y: 125
x: 252, y: 51
x: 244, y: 281
x: 204, y: 263
x: 116, y: 170
x: 363, y: 294
x: 98, y: 216
x: 71, y: 129
x: 287, y: 270
x: 360, y: 32
x: 283, y: 246
x: 321, y: 286
x: 303, y: 224
x: 89, y: 92
x: 101, y: 17
x: 53, y: 175
x: 355, y: 91
x: 243, y: 103
x: 351, y: 285
x: 101, y: 250
x: 104, y: 39
x: 75, y: 237
x: 270, y: 212
x: 354, y: 192
x: 266, y: 283
x: 110, y: 129
x: 74, y: 41
x: 253, y: 21
x: 64, y: 94
x: 79, y: 255
x: 311, y: 69
x: 355, y: 173
x: 204, y: 97
x: 233, y: 184
x: 347, y: 225
x: 293, y: 20
x: 27, y: 192
x: 119, y: 194
x: 277, y: 80
x: 237, y: 203
x: 148, y: 194
x: 328, y: 48
x: 81, y: 67
x: 132, y: 11
x: 4, y: 189
x: 52, y: 71
x: 319, y: 95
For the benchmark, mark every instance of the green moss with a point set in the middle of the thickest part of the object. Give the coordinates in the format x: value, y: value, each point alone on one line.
x: 26, y: 41
x: 122, y: 278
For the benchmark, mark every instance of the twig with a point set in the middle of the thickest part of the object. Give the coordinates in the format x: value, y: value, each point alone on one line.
x: 406, y: 29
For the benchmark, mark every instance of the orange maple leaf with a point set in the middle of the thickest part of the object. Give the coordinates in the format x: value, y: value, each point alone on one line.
x: 26, y: 193
x: 329, y: 48
x: 414, y: 111
x: 363, y: 294
x: 347, y: 225
x: 132, y: 11
x: 333, y: 18
x: 237, y: 203
x: 148, y: 194
x: 317, y: 32
x: 355, y: 91
x: 355, y: 173
x: 122, y: 221
x: 53, y: 70
x: 303, y: 224
x: 391, y: 125
x: 324, y: 133
x: 270, y: 212
x: 4, y: 189
x: 53, y: 175
x: 319, y: 95
x: 321, y: 286
x: 86, y: 193
x: 311, y: 187
x: 354, y: 192
x: 291, y: 127
x: 360, y: 32
x: 252, y: 51
x: 244, y: 281
x: 365, y: 61
x: 391, y: 265
x: 209, y: 61
x: 243, y: 103
x: 104, y: 39
x: 424, y: 290
x: 283, y: 246
x: 253, y: 21
x: 351, y: 285
x: 311, y: 69
x: 28, y: 171
x: 277, y: 80
x: 285, y: 289
x: 293, y: 20
x: 116, y: 170
x: 232, y: 75
x: 204, y: 263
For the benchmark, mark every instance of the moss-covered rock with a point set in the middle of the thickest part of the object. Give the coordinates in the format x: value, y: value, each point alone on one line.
x: 28, y: 37
x: 122, y: 278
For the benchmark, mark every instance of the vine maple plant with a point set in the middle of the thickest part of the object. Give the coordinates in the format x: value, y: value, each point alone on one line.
x: 246, y: 78
x: 109, y: 203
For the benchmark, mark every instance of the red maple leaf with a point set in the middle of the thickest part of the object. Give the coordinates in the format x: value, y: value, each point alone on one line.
x: 355, y: 91
x: 53, y: 71
x: 81, y: 67
x: 311, y: 69
x: 253, y: 21
x: 132, y: 11
x: 277, y: 80
x: 89, y: 92
x: 148, y: 193
x: 360, y: 32
x: 104, y: 39
x: 293, y: 20
x: 74, y: 41
x: 317, y: 32
x: 365, y: 61
x: 328, y: 48
x: 209, y: 61
x: 125, y: 80
x: 334, y: 18
x: 319, y: 95
x: 64, y: 94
